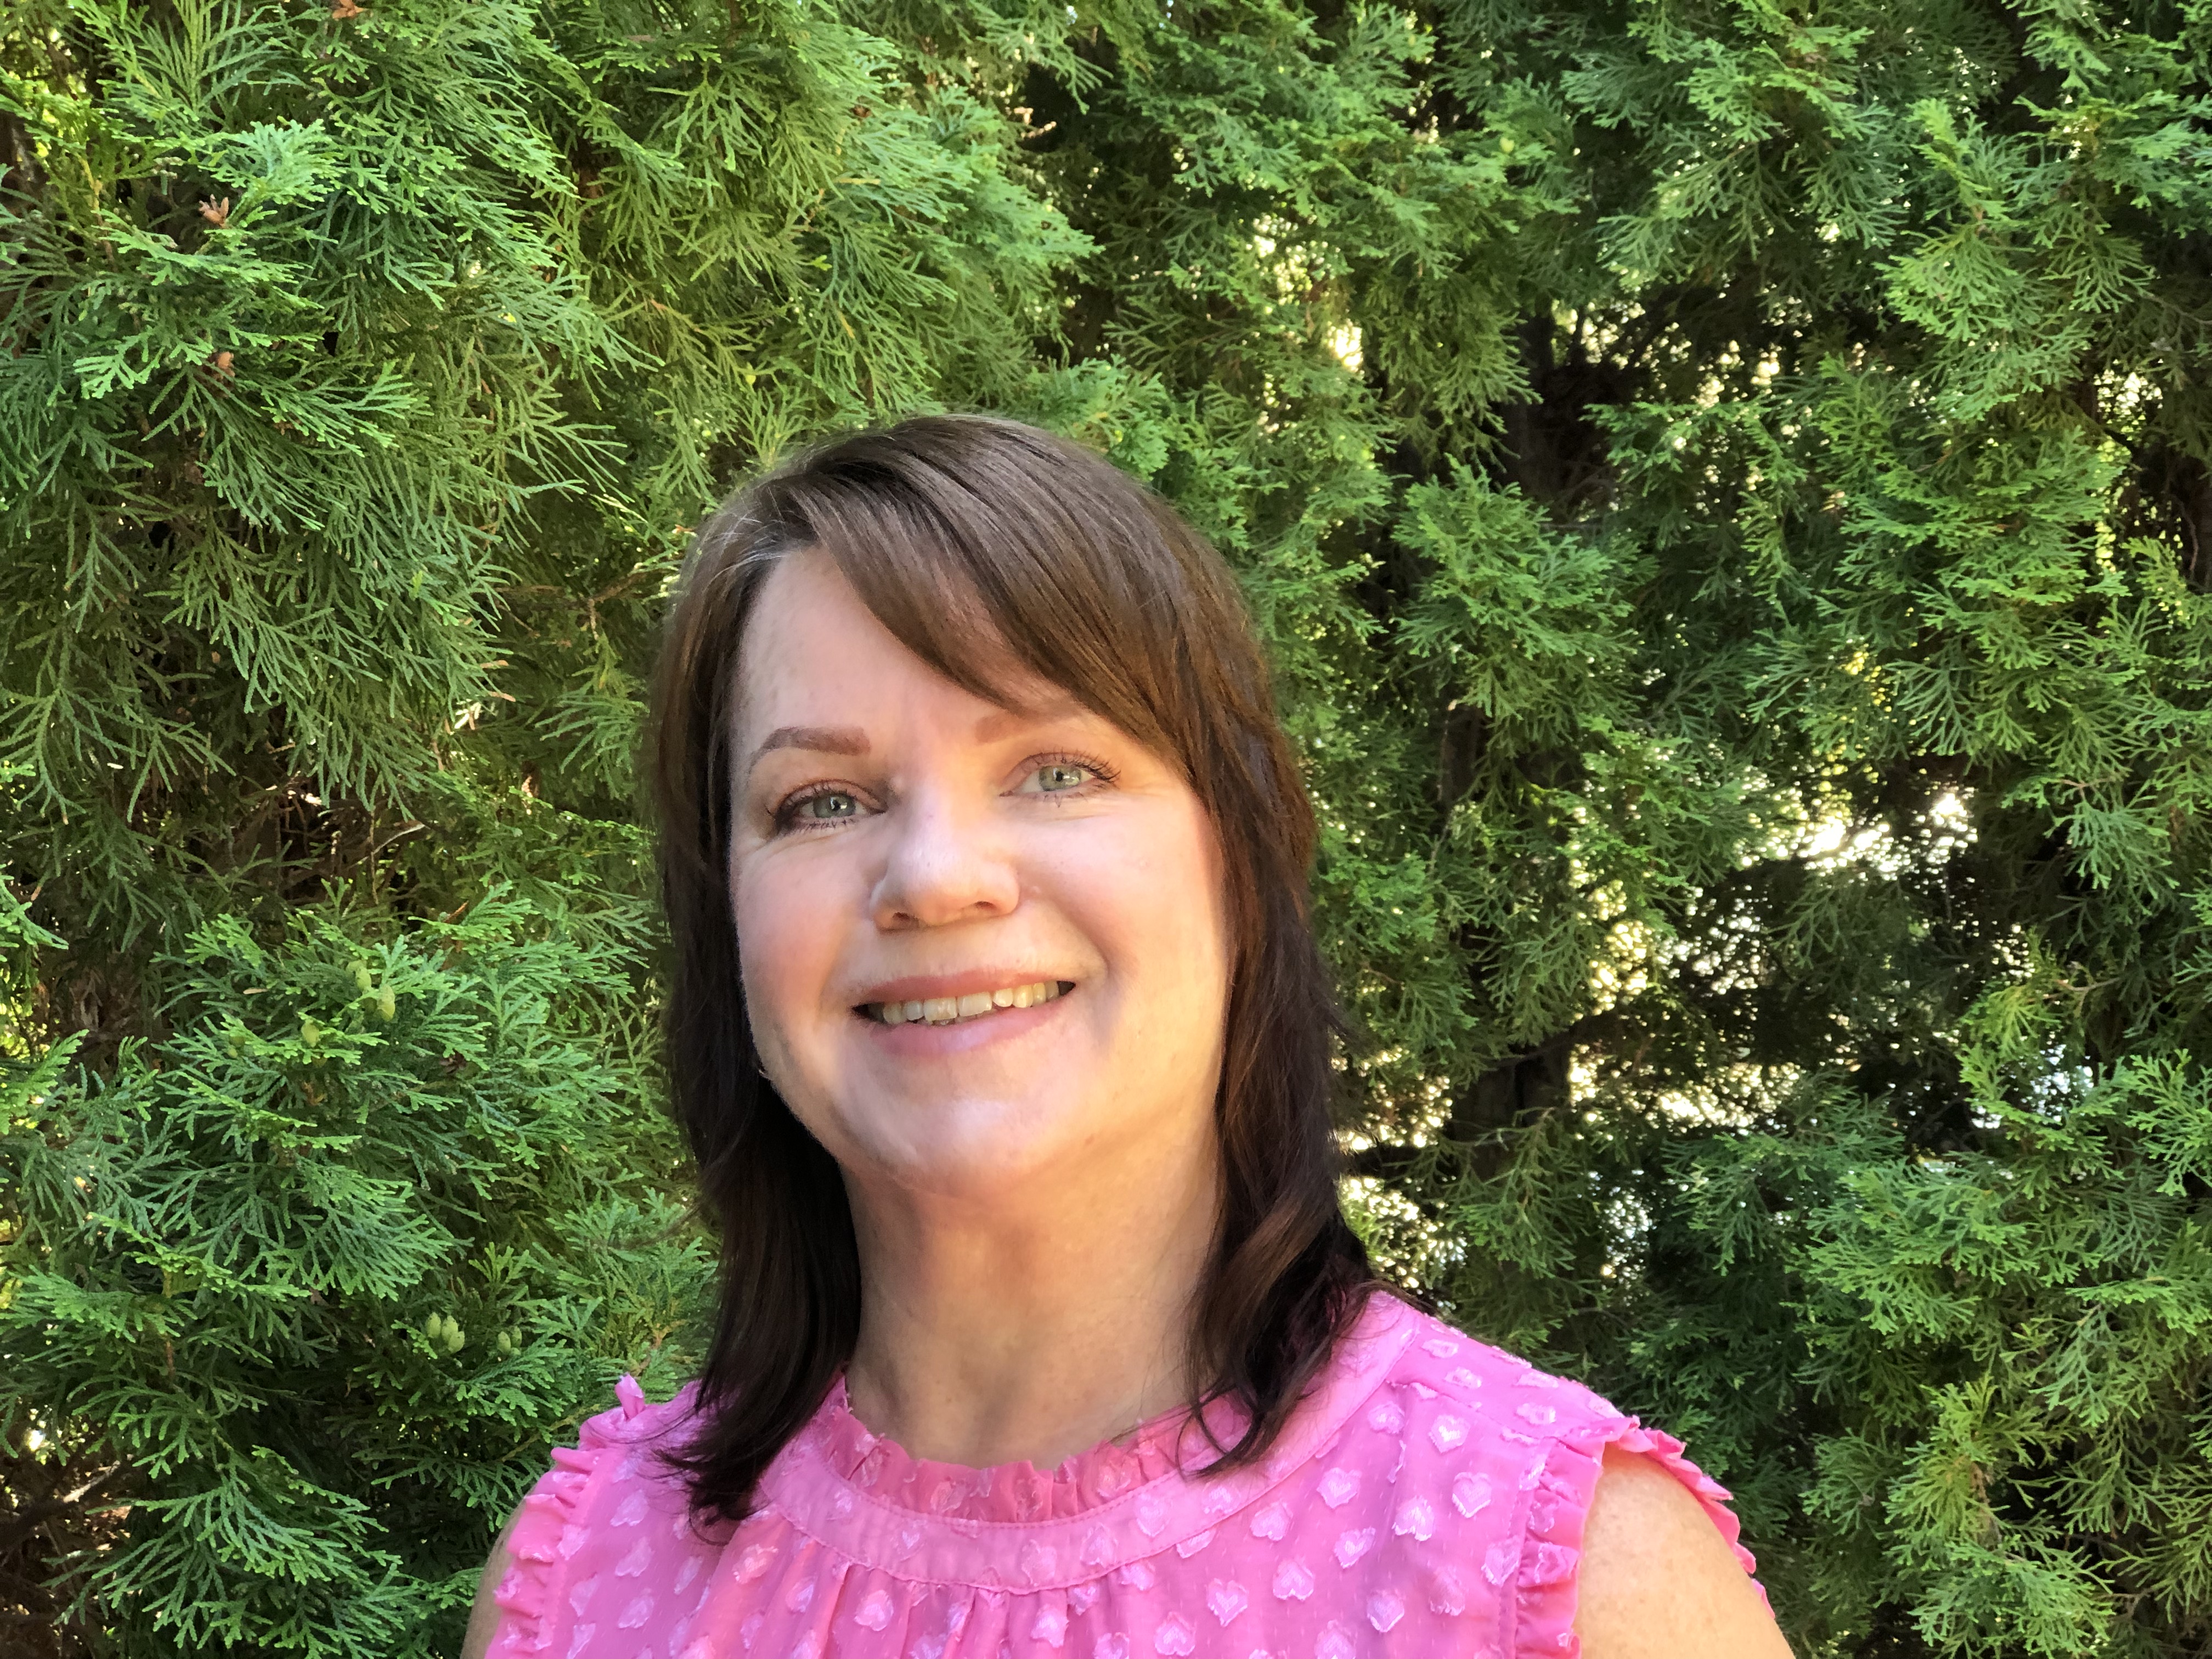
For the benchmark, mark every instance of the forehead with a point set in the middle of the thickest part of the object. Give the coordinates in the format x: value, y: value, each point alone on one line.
x: 812, y: 648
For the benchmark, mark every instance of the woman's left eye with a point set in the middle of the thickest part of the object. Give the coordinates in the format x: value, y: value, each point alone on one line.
x: 1055, y: 777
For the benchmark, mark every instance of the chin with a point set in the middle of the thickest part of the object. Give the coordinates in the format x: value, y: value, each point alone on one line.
x: 969, y: 1148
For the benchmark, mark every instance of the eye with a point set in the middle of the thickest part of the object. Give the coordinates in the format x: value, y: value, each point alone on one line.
x: 820, y: 809
x: 1059, y: 777
x: 834, y: 805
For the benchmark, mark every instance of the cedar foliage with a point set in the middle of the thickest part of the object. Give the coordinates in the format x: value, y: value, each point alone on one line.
x: 1727, y: 489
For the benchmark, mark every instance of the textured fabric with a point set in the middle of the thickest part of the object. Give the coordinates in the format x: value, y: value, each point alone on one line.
x: 1426, y: 1499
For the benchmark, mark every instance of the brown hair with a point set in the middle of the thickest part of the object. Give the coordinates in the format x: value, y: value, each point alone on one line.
x: 982, y: 544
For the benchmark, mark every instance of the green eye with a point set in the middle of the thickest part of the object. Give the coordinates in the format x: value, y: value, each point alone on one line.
x: 829, y: 807
x: 1061, y: 776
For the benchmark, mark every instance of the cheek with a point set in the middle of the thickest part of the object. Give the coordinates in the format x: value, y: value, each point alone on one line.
x: 786, y: 953
x: 1157, y: 906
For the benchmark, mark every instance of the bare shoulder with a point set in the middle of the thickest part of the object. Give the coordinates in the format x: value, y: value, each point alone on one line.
x: 1657, y: 1581
x: 484, y: 1614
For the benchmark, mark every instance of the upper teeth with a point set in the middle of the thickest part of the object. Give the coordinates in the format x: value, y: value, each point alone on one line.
x: 942, y: 1010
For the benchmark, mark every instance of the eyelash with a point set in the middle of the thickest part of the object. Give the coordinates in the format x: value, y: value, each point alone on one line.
x: 787, y: 819
x: 1101, y: 771
x: 785, y: 816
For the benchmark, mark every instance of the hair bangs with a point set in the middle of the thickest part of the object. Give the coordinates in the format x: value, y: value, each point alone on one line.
x: 991, y: 586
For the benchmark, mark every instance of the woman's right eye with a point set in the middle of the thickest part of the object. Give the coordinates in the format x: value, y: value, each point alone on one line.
x: 830, y: 807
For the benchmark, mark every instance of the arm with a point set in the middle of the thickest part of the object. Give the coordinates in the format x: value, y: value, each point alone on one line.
x: 484, y: 1614
x: 1657, y: 1581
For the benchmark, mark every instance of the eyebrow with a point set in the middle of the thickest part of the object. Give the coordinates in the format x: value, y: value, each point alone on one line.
x: 823, y: 739
x: 1000, y: 721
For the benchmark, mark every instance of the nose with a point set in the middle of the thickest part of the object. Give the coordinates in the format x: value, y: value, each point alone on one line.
x: 945, y: 864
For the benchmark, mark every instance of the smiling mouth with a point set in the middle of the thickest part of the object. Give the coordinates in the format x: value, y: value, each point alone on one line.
x: 954, y: 1011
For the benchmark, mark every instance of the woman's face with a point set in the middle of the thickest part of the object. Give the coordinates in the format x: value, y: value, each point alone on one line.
x: 1043, y: 891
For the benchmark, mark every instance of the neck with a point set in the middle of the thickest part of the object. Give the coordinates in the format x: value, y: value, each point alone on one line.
x: 1033, y: 1324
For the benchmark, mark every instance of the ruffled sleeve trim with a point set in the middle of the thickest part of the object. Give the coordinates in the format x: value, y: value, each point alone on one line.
x: 550, y: 1526
x: 1559, y: 1488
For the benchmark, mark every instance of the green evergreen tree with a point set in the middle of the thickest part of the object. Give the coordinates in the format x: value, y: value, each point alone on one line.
x: 1729, y: 489
x: 368, y: 367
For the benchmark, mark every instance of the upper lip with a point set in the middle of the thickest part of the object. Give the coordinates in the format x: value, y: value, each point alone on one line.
x: 924, y: 988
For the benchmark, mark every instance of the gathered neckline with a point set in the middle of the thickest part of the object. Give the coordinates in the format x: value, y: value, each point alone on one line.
x: 1015, y: 1526
x: 1173, y: 1441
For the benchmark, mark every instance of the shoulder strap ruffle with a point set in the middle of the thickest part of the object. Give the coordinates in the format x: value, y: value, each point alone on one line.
x: 548, y: 1527
x: 1559, y: 1502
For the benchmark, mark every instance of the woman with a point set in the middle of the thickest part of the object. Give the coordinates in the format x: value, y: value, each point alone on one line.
x: 1003, y: 1047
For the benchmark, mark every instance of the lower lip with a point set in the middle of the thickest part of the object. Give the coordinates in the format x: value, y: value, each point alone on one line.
x: 920, y: 1040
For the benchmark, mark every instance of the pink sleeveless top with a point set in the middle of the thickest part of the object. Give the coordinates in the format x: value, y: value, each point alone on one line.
x: 1426, y: 1499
